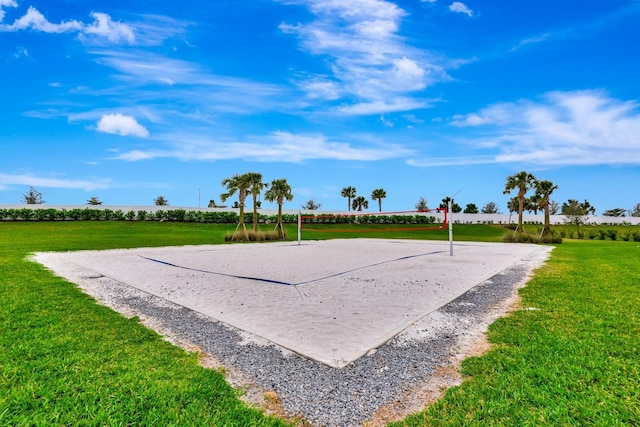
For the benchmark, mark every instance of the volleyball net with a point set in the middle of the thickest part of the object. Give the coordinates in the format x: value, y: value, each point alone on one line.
x: 359, y: 222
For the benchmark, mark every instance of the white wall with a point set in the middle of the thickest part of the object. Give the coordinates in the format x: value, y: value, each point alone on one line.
x: 459, y: 218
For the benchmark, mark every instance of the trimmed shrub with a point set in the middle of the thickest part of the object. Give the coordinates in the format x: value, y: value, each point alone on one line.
x: 531, y: 238
x: 252, y: 236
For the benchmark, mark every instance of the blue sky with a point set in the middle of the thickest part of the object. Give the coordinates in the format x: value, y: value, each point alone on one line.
x: 129, y: 100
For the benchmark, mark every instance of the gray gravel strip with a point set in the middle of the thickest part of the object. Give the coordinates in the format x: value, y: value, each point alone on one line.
x: 322, y: 395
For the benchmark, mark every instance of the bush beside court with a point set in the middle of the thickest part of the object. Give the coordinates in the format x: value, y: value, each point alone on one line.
x: 569, y: 356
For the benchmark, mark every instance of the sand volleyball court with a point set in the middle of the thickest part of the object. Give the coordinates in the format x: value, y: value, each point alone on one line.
x: 331, y: 301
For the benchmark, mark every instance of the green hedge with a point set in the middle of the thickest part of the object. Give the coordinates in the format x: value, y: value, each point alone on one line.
x: 182, y: 215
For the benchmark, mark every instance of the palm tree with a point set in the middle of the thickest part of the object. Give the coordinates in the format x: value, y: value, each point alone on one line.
x: 359, y: 203
x: 543, y: 193
x: 161, y: 201
x: 378, y: 194
x: 349, y: 193
x: 240, y: 184
x: 311, y: 205
x: 94, y: 201
x: 255, y: 187
x: 522, y: 181
x: 279, y: 191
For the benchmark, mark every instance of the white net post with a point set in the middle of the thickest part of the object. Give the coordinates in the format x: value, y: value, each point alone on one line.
x: 299, y: 227
x: 450, y: 229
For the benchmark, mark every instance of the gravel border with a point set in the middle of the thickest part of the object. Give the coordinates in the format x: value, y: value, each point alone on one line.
x: 399, y: 377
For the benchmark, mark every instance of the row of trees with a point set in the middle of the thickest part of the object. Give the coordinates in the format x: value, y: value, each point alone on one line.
x: 523, y: 182
x: 519, y: 204
x: 34, y: 197
x: 250, y: 184
x: 357, y: 203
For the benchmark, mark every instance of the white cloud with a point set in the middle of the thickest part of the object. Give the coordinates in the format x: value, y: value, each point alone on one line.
x: 408, y: 75
x: 459, y: 7
x: 275, y: 147
x: 35, y: 20
x: 121, y: 125
x: 563, y: 128
x: 368, y: 61
x: 104, y: 26
x: 6, y: 3
x: 48, y: 182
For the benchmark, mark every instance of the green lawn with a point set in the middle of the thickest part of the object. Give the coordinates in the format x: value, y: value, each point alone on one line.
x: 65, y: 360
x: 570, y: 358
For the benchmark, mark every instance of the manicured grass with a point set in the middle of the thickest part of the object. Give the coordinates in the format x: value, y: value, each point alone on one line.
x: 65, y: 360
x: 574, y: 359
x: 570, y: 357
x: 461, y: 232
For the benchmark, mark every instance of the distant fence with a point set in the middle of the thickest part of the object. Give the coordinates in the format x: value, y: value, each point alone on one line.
x: 44, y: 212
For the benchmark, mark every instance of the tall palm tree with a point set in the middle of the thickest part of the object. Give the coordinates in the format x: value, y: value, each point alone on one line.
x: 544, y: 189
x: 240, y: 184
x: 255, y: 187
x: 522, y: 181
x: 279, y: 191
x: 378, y: 194
x: 359, y: 203
x: 349, y: 193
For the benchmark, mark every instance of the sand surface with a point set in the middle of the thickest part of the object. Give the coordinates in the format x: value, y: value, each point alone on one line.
x: 331, y: 301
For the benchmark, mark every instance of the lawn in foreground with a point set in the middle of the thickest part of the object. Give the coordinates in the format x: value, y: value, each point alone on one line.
x: 64, y: 360
x: 571, y: 357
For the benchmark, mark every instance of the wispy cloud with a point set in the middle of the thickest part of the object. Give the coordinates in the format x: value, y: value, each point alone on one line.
x: 49, y: 182
x: 563, y: 128
x: 369, y: 62
x: 189, y: 83
x: 283, y: 147
x: 459, y: 7
x: 581, y: 30
x: 121, y: 125
x: 393, y: 105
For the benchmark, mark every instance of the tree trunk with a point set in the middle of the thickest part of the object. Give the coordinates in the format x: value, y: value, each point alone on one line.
x: 520, y: 226
x: 547, y: 221
x: 279, y: 227
x: 241, y: 225
x: 255, y: 214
